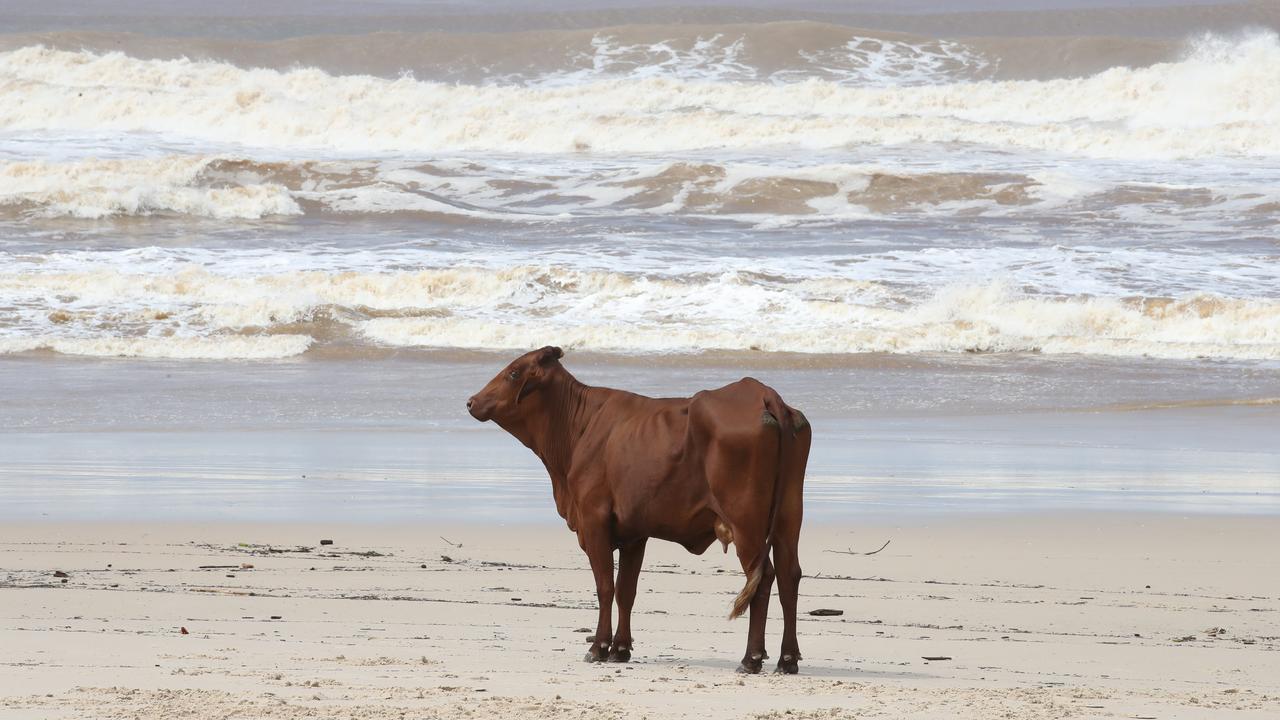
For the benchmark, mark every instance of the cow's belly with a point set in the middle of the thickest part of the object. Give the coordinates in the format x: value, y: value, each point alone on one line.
x: 675, y: 507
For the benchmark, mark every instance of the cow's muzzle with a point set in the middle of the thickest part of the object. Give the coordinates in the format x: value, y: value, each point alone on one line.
x: 479, y: 410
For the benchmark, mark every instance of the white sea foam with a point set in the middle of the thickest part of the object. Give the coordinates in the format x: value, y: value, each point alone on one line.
x: 868, y: 61
x: 927, y: 211
x: 712, y: 58
x: 226, y: 347
x: 102, y: 188
x: 226, y: 186
x: 1223, y: 99
x: 190, y: 311
x: 972, y: 319
x: 861, y: 61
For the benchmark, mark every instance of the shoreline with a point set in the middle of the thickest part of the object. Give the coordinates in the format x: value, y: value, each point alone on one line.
x: 290, y: 527
x: 390, y: 441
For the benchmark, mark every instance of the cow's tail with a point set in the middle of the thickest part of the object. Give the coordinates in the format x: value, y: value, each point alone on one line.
x: 777, y: 413
x: 743, y: 601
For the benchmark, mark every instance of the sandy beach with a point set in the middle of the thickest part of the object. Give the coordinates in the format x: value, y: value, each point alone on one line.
x: 1051, y: 616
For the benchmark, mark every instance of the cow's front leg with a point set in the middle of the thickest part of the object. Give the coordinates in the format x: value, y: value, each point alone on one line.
x: 595, y: 541
x: 630, y: 558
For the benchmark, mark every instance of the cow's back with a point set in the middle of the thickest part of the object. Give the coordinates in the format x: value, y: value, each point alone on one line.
x: 733, y: 413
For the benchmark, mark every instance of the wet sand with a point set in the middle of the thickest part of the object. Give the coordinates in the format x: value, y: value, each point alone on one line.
x: 1040, y: 616
x: 389, y: 441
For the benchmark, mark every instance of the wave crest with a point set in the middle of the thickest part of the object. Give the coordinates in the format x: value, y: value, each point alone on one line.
x: 268, y: 315
x: 1226, y: 91
x: 233, y: 187
x: 105, y: 188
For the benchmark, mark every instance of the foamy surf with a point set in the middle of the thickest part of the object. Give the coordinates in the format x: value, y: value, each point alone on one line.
x: 224, y: 347
x: 191, y: 312
x: 1222, y: 99
x: 222, y: 186
x: 135, y: 187
x: 790, y: 188
x: 859, y: 61
x: 963, y: 320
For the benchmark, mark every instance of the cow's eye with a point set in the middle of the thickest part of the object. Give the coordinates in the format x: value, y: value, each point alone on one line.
x: 513, y: 375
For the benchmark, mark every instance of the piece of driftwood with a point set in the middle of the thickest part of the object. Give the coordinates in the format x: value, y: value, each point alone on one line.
x: 854, y: 552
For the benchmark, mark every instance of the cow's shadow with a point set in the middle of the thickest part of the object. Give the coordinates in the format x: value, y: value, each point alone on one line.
x: 825, y: 672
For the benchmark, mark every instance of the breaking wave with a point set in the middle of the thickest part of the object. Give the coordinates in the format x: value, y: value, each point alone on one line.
x: 982, y: 319
x: 236, y: 187
x: 611, y: 179
x: 862, y: 61
x: 1222, y: 99
x: 184, y: 185
x: 233, y: 187
x: 188, y: 311
x: 873, y: 61
x: 221, y: 347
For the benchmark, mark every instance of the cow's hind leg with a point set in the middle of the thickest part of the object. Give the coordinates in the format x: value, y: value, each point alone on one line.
x: 737, y: 476
x: 788, y: 570
x: 596, y: 543
x: 753, y: 659
x: 629, y: 560
x: 786, y: 544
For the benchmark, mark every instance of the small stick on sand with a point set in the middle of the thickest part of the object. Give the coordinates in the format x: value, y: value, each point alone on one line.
x: 450, y: 543
x: 853, y: 552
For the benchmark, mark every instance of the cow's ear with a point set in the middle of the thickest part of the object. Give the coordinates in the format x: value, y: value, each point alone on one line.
x: 549, y: 354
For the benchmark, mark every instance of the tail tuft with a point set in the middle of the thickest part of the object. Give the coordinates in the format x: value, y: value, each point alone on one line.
x: 743, y: 601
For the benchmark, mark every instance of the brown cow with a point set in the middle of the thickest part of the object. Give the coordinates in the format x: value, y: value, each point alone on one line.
x: 726, y: 464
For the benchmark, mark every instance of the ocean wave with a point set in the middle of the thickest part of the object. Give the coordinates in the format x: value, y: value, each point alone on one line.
x: 861, y: 61
x: 102, y: 188
x: 1222, y: 99
x: 985, y: 319
x: 189, y: 311
x: 771, y: 52
x: 224, y: 347
x: 237, y: 187
x: 711, y: 58
x: 883, y: 62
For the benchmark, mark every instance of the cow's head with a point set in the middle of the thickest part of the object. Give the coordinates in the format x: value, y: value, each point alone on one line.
x: 501, y: 400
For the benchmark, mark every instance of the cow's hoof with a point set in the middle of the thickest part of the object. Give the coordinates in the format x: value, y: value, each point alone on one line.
x: 788, y: 665
x: 619, y: 655
x: 751, y: 664
x: 598, y: 653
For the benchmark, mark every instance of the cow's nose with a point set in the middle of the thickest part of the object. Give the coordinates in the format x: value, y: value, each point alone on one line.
x: 470, y: 401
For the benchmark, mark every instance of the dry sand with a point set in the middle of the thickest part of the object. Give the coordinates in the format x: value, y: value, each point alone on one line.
x: 1075, y: 616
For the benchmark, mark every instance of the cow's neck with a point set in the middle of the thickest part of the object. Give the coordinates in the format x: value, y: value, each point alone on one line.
x: 568, y: 407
